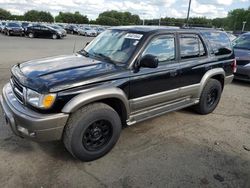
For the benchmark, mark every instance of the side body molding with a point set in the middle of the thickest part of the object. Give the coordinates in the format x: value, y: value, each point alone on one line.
x: 209, y: 74
x: 95, y: 95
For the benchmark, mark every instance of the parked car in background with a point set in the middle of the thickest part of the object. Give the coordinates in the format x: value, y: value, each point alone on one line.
x: 25, y: 25
x: 90, y: 32
x: 242, y: 53
x: 2, y: 26
x: 231, y: 36
x: 100, y: 30
x: 13, y: 28
x: 81, y: 31
x: 43, y: 31
x: 59, y: 28
x: 71, y: 29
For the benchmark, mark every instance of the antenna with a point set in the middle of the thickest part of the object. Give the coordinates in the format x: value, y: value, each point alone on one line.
x: 74, y: 48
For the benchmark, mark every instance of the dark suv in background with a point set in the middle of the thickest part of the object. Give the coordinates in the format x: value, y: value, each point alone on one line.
x: 124, y: 76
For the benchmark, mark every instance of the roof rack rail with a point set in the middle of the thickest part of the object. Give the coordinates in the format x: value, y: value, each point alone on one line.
x: 201, y: 28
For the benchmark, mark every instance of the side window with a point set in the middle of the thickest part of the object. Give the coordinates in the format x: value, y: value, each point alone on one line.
x: 44, y: 28
x: 191, y: 46
x: 219, y: 42
x: 163, y: 47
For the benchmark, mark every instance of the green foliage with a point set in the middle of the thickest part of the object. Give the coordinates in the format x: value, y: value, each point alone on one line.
x: 67, y: 17
x: 17, y: 17
x: 38, y: 16
x: 236, y: 18
x: 4, y: 14
x: 117, y: 18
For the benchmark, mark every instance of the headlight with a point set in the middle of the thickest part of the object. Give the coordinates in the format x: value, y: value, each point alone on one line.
x: 40, y: 100
x: 59, y: 32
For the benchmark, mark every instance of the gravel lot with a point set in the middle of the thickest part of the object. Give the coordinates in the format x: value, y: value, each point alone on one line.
x: 180, y: 149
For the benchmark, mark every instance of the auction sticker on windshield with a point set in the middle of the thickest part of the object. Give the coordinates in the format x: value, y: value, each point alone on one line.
x: 133, y: 36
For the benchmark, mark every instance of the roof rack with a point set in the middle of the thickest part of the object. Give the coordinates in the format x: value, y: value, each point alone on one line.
x: 201, y: 28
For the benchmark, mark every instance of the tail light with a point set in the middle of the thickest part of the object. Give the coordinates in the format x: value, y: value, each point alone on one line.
x: 234, y: 66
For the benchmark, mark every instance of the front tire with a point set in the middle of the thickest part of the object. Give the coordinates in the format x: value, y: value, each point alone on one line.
x: 210, y: 97
x: 92, y: 131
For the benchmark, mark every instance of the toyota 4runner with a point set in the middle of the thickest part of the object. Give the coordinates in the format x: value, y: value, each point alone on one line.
x: 124, y: 76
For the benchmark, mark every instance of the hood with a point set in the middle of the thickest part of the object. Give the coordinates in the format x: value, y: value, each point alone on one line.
x: 242, y: 56
x: 44, y: 75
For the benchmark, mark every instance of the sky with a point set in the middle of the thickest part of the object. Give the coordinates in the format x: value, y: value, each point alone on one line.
x: 146, y: 9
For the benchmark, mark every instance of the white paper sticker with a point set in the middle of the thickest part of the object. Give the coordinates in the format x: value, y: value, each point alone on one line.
x: 133, y: 36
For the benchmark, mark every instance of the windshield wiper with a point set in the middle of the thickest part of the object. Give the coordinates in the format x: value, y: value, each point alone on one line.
x: 104, y: 57
x: 83, y: 52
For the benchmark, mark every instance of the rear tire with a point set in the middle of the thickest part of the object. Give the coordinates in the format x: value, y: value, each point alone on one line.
x: 92, y: 131
x: 209, y: 98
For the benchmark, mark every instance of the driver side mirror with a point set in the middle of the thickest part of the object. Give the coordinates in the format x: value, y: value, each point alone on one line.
x: 149, y: 61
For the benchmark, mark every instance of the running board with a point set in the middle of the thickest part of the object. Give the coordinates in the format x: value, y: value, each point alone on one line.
x: 160, y: 110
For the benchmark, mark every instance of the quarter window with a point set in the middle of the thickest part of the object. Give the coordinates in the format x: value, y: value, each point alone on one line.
x: 191, y: 47
x: 162, y: 47
x: 219, y: 41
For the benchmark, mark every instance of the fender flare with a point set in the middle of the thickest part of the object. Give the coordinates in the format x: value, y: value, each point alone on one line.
x: 209, y: 74
x: 95, y: 95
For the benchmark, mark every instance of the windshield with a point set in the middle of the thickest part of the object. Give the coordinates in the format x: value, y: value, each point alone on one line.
x: 113, y: 45
x: 13, y: 25
x: 55, y: 27
x: 243, y: 42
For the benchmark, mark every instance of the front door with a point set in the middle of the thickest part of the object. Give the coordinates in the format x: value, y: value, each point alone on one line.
x: 155, y: 86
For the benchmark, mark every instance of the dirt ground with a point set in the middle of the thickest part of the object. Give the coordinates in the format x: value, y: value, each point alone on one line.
x: 179, y: 149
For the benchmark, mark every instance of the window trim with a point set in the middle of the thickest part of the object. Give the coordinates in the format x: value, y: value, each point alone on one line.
x: 194, y: 58
x: 173, y: 35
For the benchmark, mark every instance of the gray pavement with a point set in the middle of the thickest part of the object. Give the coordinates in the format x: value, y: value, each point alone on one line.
x: 179, y: 149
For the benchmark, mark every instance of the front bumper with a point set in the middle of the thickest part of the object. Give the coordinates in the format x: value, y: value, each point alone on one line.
x: 16, y: 32
x: 242, y: 73
x: 39, y: 127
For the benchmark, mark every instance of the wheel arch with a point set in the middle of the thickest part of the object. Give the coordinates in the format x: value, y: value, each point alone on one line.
x: 113, y: 97
x: 217, y: 73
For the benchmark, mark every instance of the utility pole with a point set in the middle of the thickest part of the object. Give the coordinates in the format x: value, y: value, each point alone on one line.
x: 160, y: 20
x: 243, y: 26
x: 188, y: 12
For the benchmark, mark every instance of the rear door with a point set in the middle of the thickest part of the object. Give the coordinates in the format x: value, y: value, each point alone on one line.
x: 45, y: 32
x: 194, y: 62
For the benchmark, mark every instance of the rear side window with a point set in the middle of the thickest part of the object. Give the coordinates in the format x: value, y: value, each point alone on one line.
x: 219, y: 42
x: 191, y: 46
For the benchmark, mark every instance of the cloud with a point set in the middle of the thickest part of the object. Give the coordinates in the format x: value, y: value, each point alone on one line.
x: 225, y: 2
x: 144, y: 8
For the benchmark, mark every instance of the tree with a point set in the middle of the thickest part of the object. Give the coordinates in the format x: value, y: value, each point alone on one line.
x: 38, y: 16
x: 67, y: 17
x: 236, y: 18
x: 4, y: 14
x: 113, y: 18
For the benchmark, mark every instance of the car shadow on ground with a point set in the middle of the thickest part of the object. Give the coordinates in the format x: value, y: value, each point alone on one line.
x: 241, y: 83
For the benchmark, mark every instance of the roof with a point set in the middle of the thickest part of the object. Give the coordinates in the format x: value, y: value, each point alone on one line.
x: 147, y: 29
x: 144, y: 29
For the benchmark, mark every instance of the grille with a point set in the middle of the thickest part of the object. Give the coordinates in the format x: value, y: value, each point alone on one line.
x: 18, y: 90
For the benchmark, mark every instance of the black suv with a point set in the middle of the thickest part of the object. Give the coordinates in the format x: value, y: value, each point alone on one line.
x: 124, y: 76
x: 43, y: 31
